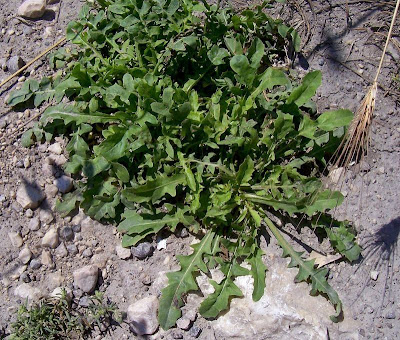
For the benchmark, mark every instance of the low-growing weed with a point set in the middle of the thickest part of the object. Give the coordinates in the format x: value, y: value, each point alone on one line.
x: 54, y: 318
x: 177, y: 114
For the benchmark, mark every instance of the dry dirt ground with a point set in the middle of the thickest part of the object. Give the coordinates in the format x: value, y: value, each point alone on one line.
x: 345, y: 43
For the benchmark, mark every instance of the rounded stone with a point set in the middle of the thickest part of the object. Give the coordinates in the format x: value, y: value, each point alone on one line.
x: 25, y: 255
x: 35, y: 264
x: 67, y: 233
x: 86, y: 278
x: 143, y: 250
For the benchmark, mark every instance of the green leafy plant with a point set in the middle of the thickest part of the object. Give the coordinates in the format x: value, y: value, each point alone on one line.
x: 178, y: 114
x: 54, y: 318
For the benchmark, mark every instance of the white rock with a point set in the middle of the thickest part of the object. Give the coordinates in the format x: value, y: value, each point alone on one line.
x: 47, y: 259
x: 122, y: 253
x: 286, y: 311
x: 32, y: 9
x: 25, y: 255
x: 162, y: 244
x: 25, y: 291
x: 29, y: 213
x: 16, y: 239
x: 50, y: 239
x: 55, y: 148
x: 64, y: 184
x: 183, y: 323
x: 46, y: 216
x: 29, y: 197
x: 34, y: 224
x: 57, y: 293
x: 374, y: 275
x: 142, y: 316
x: 86, y: 278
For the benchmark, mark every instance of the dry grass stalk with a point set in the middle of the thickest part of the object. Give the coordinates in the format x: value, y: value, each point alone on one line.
x: 355, y: 144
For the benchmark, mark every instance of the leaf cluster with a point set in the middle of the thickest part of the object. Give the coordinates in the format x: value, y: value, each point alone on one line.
x: 178, y: 115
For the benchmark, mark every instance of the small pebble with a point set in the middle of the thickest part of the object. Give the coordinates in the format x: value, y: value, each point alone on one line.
x: 25, y: 277
x: 76, y: 228
x: 25, y: 255
x: 35, y: 264
x: 390, y: 315
x: 16, y: 239
x: 143, y: 250
x: 29, y: 213
x: 72, y: 249
x: 195, y: 331
x: 87, y: 253
x: 374, y: 275
x: 67, y: 233
x: 34, y: 224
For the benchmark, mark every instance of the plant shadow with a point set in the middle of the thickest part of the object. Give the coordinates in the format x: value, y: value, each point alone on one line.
x: 378, y: 257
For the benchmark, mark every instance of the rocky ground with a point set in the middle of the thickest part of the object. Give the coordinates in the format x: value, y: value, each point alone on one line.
x: 41, y: 251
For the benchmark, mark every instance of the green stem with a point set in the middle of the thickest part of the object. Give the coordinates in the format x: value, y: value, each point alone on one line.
x: 138, y: 54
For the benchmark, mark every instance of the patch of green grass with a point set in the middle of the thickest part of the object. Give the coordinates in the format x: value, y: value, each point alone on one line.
x: 54, y: 319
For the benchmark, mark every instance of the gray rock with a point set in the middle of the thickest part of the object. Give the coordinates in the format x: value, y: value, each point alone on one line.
x: 67, y: 233
x: 84, y: 301
x: 72, y: 249
x: 46, y: 216
x: 34, y: 224
x: 51, y: 190
x: 143, y: 250
x: 87, y: 252
x: 77, y: 293
x: 35, y: 264
x: 86, y: 278
x: 390, y: 315
x: 64, y: 184
x: 184, y: 233
x: 29, y: 197
x: 32, y: 9
x: 195, y: 331
x: 15, y: 63
x: 16, y: 239
x: 142, y: 316
x: 76, y: 228
x: 122, y: 253
x: 47, y: 259
x: 49, y: 170
x: 50, y: 239
x: 25, y: 255
x: 25, y: 277
x: 25, y: 291
x: 61, y: 250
